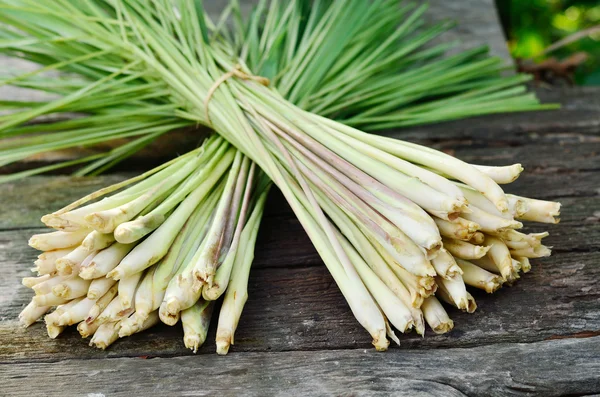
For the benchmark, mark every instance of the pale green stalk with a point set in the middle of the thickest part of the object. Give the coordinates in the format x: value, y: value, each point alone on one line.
x: 464, y: 250
x: 96, y: 241
x: 71, y: 288
x: 57, y: 240
x: 99, y: 287
x: 204, y: 180
x: 30, y: 282
x: 101, y: 303
x: 195, y: 321
x: 31, y: 313
x: 221, y: 280
x: 480, y: 278
x: 444, y: 264
x: 105, y: 261
x: 206, y: 265
x: 152, y: 249
x: 435, y: 315
x: 237, y: 290
x: 502, y: 175
x: 127, y: 287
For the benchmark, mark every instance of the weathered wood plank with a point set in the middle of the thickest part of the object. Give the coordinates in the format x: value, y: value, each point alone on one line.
x: 555, y: 368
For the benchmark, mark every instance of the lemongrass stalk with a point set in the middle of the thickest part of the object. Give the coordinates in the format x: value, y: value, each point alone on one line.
x: 221, y: 280
x: 516, y: 206
x: 199, y: 185
x: 46, y: 262
x: 432, y: 179
x: 445, y: 265
x: 456, y: 230
x: 540, y: 210
x: 478, y: 200
x: 114, y: 311
x: 31, y: 313
x: 418, y: 227
x: 47, y: 286
x: 500, y: 255
x: 477, y: 277
x: 376, y: 263
x: 501, y: 175
x: 143, y: 296
x: 179, y: 255
x: 447, y: 164
x: 513, y: 245
x: 69, y: 264
x: 105, y: 260
x: 412, y: 188
x: 54, y: 330
x: 532, y: 239
x: 76, y: 313
x: 183, y: 292
x: 106, y: 221
x: 71, y: 288
x: 390, y: 304
x: 127, y: 328
x: 127, y: 287
x: 195, y: 321
x: 74, y: 214
x: 237, y: 291
x: 206, y: 265
x: 53, y: 255
x: 400, y: 246
x: 477, y: 239
x: 49, y: 299
x: 455, y: 289
x: 44, y: 267
x: 30, y: 282
x: 327, y: 135
x: 516, y: 265
x: 96, y: 241
x: 106, y: 334
x: 489, y: 222
x: 530, y: 252
x: 437, y: 318
x: 148, y: 179
x: 86, y: 329
x: 464, y: 250
x: 445, y: 296
x: 99, y: 287
x: 101, y: 303
x: 244, y: 178
x: 320, y: 231
x: 52, y: 318
x: 525, y: 263
x: 57, y: 240
x: 74, y: 220
x: 152, y: 249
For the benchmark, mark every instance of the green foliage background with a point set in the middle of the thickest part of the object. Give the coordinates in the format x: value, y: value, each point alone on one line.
x: 532, y: 25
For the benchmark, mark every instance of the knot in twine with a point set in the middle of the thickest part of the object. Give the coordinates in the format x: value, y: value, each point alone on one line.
x: 235, y: 72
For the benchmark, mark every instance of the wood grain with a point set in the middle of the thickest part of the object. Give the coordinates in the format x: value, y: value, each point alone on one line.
x: 297, y: 335
x: 557, y: 368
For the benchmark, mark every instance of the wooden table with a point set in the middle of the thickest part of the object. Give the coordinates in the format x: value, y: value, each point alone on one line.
x: 297, y: 335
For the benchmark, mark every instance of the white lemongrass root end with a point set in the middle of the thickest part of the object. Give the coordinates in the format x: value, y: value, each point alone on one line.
x: 105, y: 335
x: 436, y: 316
x: 31, y: 313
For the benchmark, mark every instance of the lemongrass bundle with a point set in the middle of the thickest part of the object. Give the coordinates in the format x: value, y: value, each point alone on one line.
x: 402, y: 197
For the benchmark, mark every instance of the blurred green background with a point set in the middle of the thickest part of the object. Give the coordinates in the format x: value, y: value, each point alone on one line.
x: 533, y: 25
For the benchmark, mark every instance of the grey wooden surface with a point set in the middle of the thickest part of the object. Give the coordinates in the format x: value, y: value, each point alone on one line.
x: 297, y: 335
